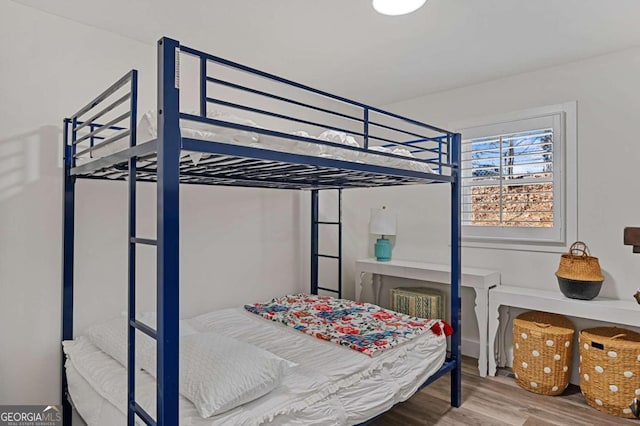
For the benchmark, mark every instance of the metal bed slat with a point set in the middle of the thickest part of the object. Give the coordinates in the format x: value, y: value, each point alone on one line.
x: 319, y: 172
x: 262, y: 167
x: 291, y: 183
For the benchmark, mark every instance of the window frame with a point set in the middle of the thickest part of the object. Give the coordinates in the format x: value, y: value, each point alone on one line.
x: 554, y: 239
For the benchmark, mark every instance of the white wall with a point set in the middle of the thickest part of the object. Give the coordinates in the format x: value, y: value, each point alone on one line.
x: 237, y: 245
x: 606, y: 89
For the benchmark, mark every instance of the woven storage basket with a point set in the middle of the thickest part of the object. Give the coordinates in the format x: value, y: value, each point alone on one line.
x: 578, y: 265
x: 610, y: 369
x: 542, y: 344
x: 419, y: 302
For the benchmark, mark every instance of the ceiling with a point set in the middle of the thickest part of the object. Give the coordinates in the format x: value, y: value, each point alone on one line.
x: 343, y: 46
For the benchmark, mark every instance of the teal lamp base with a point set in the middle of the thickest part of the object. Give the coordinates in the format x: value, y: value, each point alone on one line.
x: 382, y: 250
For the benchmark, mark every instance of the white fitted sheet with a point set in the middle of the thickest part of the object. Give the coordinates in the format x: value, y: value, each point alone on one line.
x: 331, y: 385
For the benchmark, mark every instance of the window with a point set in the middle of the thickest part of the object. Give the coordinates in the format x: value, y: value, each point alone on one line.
x: 516, y: 173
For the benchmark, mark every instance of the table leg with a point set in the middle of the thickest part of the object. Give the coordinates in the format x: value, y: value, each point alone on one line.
x: 376, y: 284
x: 503, y: 359
x: 481, y: 308
x: 494, y: 323
x: 359, y: 278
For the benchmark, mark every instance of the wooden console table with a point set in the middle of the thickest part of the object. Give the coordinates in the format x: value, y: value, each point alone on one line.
x: 481, y: 280
x: 624, y: 312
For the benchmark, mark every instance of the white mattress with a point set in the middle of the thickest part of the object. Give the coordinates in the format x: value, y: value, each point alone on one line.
x: 332, y: 385
x: 147, y: 130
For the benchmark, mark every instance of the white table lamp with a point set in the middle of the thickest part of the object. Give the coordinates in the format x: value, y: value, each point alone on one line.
x: 383, y: 223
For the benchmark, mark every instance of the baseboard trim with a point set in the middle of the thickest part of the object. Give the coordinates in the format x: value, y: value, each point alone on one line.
x: 471, y: 348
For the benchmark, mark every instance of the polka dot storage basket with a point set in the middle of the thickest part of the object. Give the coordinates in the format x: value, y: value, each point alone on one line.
x: 542, y: 344
x: 610, y: 369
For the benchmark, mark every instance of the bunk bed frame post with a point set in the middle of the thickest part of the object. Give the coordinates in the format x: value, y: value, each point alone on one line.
x: 456, y: 272
x: 314, y: 240
x: 168, y: 254
x: 68, y: 233
x: 340, y: 243
x: 131, y: 360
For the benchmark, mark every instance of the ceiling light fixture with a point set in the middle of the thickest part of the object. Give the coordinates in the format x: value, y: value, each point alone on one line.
x: 397, y: 7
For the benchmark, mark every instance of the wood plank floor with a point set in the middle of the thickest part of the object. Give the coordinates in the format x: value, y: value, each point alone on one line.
x: 495, y: 401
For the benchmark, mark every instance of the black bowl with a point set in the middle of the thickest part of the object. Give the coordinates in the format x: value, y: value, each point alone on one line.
x: 583, y: 290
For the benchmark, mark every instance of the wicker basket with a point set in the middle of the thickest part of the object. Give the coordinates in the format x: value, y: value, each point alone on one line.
x: 542, y: 352
x: 419, y: 302
x: 610, y: 369
x: 578, y: 265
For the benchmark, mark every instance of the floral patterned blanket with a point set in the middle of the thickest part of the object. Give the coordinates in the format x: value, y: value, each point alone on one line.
x: 360, y: 326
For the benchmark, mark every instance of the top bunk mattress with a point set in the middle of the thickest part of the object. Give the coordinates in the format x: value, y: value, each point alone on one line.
x: 147, y: 131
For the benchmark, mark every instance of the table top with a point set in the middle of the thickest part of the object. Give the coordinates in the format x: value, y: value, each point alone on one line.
x: 622, y: 311
x: 435, y: 272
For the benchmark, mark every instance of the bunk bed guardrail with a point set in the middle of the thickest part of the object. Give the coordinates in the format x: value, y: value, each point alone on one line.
x: 378, y: 132
x: 373, y: 126
x: 118, y: 106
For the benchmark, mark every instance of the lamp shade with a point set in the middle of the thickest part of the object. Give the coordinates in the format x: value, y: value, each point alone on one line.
x: 383, y: 222
x: 397, y: 7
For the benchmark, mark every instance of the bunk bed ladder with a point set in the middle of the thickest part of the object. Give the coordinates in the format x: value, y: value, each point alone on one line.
x: 315, y: 246
x: 133, y: 324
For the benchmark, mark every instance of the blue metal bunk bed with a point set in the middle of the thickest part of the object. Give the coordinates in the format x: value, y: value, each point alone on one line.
x: 159, y: 160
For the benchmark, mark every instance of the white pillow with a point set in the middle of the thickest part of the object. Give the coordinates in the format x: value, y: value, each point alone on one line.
x: 219, y: 373
x: 402, y: 151
x: 339, y: 137
x: 111, y: 338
